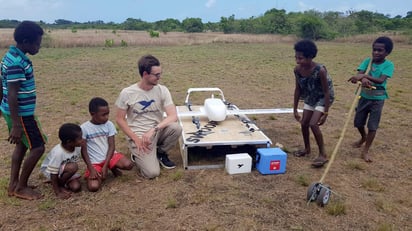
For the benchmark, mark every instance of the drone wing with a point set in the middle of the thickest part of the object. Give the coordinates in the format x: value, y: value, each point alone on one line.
x: 200, y: 112
x: 260, y: 111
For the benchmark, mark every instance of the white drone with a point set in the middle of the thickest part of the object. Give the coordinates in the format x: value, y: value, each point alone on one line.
x: 217, y: 109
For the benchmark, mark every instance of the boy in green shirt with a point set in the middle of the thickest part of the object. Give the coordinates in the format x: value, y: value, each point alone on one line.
x: 373, y: 93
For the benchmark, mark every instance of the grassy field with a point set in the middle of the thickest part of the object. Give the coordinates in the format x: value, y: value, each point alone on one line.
x: 257, y: 74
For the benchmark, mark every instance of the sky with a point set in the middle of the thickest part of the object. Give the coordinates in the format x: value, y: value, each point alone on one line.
x: 118, y: 11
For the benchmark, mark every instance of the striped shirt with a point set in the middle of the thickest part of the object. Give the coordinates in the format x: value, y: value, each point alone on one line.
x: 17, y: 67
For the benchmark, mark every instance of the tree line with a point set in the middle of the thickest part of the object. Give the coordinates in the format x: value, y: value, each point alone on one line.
x: 309, y: 24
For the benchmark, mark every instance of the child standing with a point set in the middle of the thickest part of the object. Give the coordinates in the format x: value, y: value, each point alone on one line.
x: 60, y: 165
x: 372, y: 99
x: 18, y: 104
x: 314, y: 86
x: 99, y: 134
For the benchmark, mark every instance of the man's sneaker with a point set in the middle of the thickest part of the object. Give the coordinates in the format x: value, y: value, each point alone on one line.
x: 165, y: 162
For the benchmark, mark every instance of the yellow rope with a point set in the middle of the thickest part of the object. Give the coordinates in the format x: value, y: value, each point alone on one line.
x: 332, y: 158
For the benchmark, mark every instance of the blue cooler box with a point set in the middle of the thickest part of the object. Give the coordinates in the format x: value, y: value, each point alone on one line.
x: 271, y: 161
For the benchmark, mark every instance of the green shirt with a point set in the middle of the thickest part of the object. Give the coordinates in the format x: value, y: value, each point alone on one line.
x: 377, y: 70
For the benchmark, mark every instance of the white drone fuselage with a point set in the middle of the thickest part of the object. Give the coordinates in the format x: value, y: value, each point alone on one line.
x: 215, y: 109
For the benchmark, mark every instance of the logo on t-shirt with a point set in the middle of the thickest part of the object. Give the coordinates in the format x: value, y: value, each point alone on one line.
x: 146, y: 104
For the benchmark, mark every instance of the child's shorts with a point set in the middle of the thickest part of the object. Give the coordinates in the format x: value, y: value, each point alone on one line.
x: 33, y: 136
x: 371, y: 108
x: 311, y: 108
x: 99, y: 166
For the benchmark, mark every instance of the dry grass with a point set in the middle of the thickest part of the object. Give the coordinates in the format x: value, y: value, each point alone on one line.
x: 252, y: 75
x: 97, y: 38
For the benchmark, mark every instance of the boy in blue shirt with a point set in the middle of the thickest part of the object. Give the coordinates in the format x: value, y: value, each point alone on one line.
x: 373, y: 93
x: 18, y: 103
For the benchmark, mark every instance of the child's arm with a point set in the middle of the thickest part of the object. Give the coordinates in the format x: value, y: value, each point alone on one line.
x: 59, y: 191
x: 109, y: 155
x: 325, y: 88
x: 379, y: 80
x: 16, y: 130
x: 93, y: 173
x: 296, y: 98
x: 1, y: 91
x: 358, y: 77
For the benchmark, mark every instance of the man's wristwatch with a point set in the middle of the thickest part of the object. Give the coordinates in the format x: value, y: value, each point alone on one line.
x: 156, y: 128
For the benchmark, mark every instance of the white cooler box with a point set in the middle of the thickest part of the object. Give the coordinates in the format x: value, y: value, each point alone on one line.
x: 238, y: 163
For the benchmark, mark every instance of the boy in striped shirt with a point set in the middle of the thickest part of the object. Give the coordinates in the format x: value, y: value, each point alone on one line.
x: 18, y: 104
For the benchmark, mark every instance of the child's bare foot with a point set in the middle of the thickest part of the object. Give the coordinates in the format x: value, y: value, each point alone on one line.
x: 27, y: 194
x: 358, y: 143
x: 10, y: 190
x: 116, y: 172
x: 366, y: 157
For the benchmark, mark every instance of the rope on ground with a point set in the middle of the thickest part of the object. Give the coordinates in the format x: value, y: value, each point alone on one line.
x: 332, y: 158
x: 355, y: 100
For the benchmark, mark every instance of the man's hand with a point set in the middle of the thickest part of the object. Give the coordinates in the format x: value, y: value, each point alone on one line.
x: 144, y: 144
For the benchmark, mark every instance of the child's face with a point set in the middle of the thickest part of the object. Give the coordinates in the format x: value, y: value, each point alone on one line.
x: 302, y: 60
x: 78, y: 142
x: 379, y: 52
x: 101, y: 116
x: 34, y: 47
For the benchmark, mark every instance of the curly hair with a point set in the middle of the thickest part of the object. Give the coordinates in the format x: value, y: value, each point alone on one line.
x: 27, y: 31
x: 386, y: 41
x: 69, y: 132
x: 307, y: 47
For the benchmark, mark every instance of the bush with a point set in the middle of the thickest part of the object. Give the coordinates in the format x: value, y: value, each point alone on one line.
x: 109, y: 43
x: 154, y: 34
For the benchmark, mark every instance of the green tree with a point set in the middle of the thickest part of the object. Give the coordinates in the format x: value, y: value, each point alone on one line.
x: 229, y: 25
x: 136, y: 24
x: 368, y: 22
x: 168, y: 25
x: 192, y: 25
x: 211, y: 26
x: 8, y: 23
x: 63, y: 22
x: 276, y: 22
x: 313, y: 27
